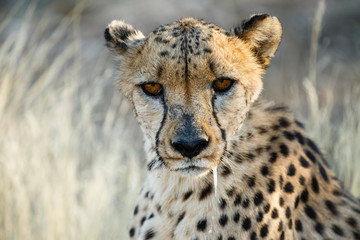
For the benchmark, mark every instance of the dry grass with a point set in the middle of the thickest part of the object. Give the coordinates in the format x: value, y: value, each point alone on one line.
x: 70, y: 155
x: 67, y: 167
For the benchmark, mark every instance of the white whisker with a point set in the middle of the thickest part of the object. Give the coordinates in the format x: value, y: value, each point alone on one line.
x: 215, y: 180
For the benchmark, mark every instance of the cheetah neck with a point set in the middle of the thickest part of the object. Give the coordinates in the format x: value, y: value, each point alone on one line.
x: 271, y: 174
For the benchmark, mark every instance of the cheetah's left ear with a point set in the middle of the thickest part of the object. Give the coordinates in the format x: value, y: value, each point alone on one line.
x: 120, y: 36
x: 263, y: 34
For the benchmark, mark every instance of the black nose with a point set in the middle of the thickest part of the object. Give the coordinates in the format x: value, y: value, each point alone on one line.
x: 190, y: 148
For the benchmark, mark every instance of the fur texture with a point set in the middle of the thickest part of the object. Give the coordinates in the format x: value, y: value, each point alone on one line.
x: 272, y: 181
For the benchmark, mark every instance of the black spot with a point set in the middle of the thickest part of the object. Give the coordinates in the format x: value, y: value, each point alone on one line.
x: 337, y: 230
x: 289, y: 135
x: 174, y: 45
x: 249, y: 156
x: 296, y: 202
x: 258, y: 198
x: 222, y: 203
x: 336, y: 192
x: 267, y: 208
x: 304, y: 196
x: 132, y: 232
x: 245, y: 203
x: 356, y: 210
x: 207, y: 50
x: 253, y: 236
x: 246, y: 224
x: 274, y: 138
x: 271, y: 186
x: 151, y: 216
x: 206, y: 191
x: 220, y: 237
x: 201, y: 225
x: 264, y: 230
x: 251, y: 181
x: 302, y: 180
x: 298, y: 225
x: 288, y: 212
x: 300, y: 138
x: 304, y: 162
x: 180, y: 218
x: 136, y: 210
x: 273, y: 157
x: 149, y: 234
x: 289, y: 188
x: 223, y: 220
x: 231, y: 238
x: 212, y: 66
x: 310, y: 212
x: 225, y: 171
x: 236, y: 217
x: 290, y: 224
x: 314, y: 185
x: 310, y: 156
x: 259, y: 217
x: 356, y: 235
x: 230, y: 192
x: 313, y: 146
x: 159, y: 71
x: 280, y: 226
x: 284, y: 122
x: 282, y: 236
x: 331, y: 207
x: 264, y: 170
x: 274, y: 213
x: 164, y: 53
x: 281, y: 201
x: 262, y: 130
x: 259, y: 150
x: 187, y: 195
x: 281, y: 181
x: 301, y: 125
x: 319, y: 227
x: 291, y: 170
x: 276, y: 127
x: 351, y: 221
x: 323, y: 173
x: 142, y: 220
x: 284, y: 150
x: 237, y: 200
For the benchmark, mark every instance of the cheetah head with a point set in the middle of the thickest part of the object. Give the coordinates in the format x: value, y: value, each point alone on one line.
x: 191, y: 85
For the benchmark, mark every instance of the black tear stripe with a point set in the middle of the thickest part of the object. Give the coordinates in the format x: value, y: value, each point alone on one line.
x: 223, y: 133
x: 159, y: 159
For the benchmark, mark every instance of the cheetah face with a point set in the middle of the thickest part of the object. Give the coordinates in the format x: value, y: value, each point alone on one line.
x: 191, y: 85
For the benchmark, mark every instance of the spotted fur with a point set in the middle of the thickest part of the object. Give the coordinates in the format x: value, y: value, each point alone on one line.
x: 272, y: 181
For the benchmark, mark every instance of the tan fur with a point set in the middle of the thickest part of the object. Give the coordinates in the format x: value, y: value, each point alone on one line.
x: 255, y: 147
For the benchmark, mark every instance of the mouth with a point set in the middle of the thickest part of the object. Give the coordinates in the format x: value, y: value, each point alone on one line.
x: 192, y: 170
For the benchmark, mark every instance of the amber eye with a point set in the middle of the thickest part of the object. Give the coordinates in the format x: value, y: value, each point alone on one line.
x: 153, y: 89
x: 222, y: 85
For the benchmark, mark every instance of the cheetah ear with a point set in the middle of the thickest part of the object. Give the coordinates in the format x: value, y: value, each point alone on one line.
x: 263, y: 34
x: 119, y: 36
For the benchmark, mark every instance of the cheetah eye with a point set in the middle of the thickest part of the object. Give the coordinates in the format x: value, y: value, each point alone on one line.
x: 152, y: 89
x: 222, y: 84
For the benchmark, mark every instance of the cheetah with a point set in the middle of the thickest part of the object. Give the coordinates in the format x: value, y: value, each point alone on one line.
x: 221, y: 163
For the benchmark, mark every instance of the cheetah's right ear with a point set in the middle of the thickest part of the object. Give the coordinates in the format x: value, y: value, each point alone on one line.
x: 120, y: 36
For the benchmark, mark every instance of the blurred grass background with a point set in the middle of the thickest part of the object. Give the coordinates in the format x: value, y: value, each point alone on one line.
x: 71, y: 159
